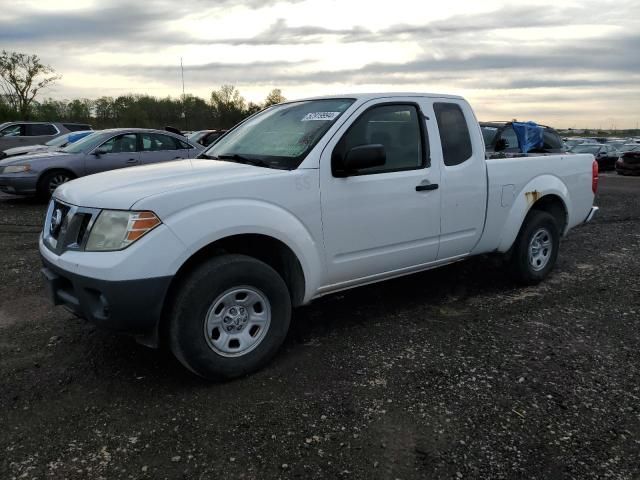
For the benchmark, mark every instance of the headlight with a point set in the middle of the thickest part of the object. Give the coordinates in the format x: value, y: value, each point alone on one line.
x: 15, y: 168
x: 117, y: 229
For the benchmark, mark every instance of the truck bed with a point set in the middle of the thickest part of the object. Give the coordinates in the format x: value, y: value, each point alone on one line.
x: 516, y: 183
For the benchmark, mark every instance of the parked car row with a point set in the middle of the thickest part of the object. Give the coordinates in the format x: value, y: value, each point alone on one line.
x: 619, y: 154
x: 44, y: 155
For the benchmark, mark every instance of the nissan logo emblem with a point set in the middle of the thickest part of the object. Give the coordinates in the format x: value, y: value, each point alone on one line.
x: 56, y: 220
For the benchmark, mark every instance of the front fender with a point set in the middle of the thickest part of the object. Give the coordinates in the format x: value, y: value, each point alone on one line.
x: 525, y: 199
x: 204, y: 224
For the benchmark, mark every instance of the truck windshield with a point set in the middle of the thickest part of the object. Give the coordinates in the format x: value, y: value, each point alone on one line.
x: 281, y: 136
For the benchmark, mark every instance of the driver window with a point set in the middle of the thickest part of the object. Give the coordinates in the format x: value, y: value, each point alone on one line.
x: 396, y: 127
x: 120, y: 144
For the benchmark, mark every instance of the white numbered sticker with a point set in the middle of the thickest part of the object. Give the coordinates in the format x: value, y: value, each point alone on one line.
x: 320, y: 116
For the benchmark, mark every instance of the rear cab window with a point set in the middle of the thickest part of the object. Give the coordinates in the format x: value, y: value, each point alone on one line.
x: 454, y: 133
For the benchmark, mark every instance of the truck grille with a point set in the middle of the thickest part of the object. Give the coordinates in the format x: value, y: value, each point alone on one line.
x: 66, y: 226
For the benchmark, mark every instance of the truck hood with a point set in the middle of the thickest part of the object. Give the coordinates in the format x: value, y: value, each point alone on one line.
x: 121, y: 189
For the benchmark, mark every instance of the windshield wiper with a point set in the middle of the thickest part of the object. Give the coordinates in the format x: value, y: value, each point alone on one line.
x: 234, y: 157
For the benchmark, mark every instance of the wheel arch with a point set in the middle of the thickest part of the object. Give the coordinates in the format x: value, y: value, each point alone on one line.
x: 51, y: 170
x: 275, y: 253
x: 546, y: 193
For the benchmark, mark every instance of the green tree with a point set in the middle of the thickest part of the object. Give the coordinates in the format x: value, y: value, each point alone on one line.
x: 103, y: 112
x: 275, y: 96
x: 228, y: 106
x: 79, y: 110
x: 50, y: 110
x: 252, y: 108
x: 197, y: 113
x: 22, y: 76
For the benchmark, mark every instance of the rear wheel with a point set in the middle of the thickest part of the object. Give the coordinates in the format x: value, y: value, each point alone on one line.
x: 229, y: 317
x: 52, y: 180
x: 536, y: 248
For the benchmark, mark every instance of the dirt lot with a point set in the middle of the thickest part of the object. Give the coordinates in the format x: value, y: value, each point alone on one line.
x: 454, y: 373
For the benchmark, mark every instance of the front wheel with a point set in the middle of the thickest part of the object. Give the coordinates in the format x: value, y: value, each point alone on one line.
x: 50, y: 181
x: 229, y: 317
x: 536, y: 248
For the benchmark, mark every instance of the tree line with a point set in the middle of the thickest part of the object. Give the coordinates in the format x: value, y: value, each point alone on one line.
x: 23, y: 76
x: 225, y: 108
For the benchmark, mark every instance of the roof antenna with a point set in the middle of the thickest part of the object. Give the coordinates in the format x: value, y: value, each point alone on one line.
x: 184, y: 98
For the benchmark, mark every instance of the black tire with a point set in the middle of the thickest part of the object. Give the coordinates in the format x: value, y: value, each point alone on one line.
x: 50, y: 180
x: 522, y: 267
x: 195, y: 299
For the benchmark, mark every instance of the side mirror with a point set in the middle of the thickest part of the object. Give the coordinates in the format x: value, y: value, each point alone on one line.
x: 99, y: 151
x: 365, y: 156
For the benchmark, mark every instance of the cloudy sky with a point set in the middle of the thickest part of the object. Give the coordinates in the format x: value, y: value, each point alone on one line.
x: 564, y: 63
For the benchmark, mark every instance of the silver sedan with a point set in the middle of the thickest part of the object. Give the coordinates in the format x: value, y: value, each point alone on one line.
x: 42, y: 173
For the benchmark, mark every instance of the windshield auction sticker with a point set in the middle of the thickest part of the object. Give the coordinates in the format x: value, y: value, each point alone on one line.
x: 320, y: 116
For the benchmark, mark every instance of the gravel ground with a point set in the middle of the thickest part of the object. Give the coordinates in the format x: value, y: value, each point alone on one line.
x: 454, y: 373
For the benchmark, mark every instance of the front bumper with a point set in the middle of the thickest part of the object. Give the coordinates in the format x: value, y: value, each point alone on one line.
x: 18, y: 185
x: 128, y: 306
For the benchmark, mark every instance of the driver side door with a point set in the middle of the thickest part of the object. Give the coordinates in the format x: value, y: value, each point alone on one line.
x: 381, y: 221
x: 119, y: 151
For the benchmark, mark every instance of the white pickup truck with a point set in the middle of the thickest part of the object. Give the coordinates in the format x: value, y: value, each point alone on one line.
x: 301, y: 200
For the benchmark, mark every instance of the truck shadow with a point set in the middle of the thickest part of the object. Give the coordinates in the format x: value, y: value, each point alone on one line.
x: 385, y: 301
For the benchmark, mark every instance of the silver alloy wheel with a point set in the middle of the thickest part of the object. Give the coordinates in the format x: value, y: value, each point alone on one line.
x: 540, y: 248
x: 237, y: 321
x: 58, y: 180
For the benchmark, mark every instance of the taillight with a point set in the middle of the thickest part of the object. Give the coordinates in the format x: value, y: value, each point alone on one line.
x: 594, y: 177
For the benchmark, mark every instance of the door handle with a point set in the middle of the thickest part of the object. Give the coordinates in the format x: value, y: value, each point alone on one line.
x: 426, y: 186
x: 132, y: 160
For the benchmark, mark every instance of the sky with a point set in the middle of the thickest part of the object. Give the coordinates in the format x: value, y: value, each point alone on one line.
x: 565, y: 64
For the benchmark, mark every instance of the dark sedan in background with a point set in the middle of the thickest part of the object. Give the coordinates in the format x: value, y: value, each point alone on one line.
x: 42, y: 173
x: 605, y: 155
x: 629, y: 161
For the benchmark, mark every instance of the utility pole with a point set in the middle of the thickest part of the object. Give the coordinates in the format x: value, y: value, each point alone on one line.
x: 184, y: 98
